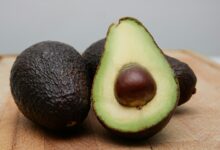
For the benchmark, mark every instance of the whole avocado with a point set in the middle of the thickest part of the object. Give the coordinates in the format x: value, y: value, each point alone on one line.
x: 185, y: 75
x: 49, y: 84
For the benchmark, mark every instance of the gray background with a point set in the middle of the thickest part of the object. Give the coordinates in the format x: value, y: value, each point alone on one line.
x: 185, y: 24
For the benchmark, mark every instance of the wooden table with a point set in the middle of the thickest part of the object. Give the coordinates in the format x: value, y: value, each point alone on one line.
x: 195, y: 125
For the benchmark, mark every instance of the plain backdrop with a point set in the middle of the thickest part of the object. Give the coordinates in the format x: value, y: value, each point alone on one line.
x: 175, y: 24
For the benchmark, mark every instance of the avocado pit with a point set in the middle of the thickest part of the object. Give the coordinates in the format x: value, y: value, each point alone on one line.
x: 134, y: 86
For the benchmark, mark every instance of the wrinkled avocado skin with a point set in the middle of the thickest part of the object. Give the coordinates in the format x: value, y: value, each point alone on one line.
x: 186, y: 77
x: 92, y: 56
x: 49, y: 84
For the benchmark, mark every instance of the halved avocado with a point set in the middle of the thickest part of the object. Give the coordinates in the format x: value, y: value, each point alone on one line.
x: 121, y: 101
x: 185, y: 75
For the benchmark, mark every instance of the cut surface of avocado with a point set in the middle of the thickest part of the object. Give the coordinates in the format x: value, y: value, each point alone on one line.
x: 128, y: 42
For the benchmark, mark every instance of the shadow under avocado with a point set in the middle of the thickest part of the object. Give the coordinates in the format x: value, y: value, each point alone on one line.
x: 184, y: 110
x: 76, y: 132
x: 84, y: 130
x: 125, y: 141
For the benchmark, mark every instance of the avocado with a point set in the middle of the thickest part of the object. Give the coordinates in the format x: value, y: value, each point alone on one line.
x: 186, y: 78
x: 49, y: 84
x: 135, y: 91
x: 185, y: 75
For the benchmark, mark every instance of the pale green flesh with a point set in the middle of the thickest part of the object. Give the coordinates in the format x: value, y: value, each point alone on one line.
x: 128, y: 42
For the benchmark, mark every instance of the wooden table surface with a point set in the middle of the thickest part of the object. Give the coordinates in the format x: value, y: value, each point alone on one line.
x: 195, y: 125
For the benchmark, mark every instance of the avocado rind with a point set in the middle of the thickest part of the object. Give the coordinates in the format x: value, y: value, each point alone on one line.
x: 49, y: 84
x: 186, y: 77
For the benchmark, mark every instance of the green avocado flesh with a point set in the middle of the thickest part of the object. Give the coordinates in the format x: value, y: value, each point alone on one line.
x: 129, y: 42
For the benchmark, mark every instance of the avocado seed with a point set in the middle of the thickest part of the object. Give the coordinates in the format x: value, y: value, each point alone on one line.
x: 134, y: 86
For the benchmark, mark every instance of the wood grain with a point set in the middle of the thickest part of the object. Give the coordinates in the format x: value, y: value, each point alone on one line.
x: 195, y: 125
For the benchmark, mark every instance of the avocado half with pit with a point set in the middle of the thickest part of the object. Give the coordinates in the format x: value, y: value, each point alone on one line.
x: 135, y: 91
x: 185, y: 75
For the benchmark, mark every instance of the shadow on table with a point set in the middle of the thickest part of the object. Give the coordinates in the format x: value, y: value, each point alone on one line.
x: 92, y: 130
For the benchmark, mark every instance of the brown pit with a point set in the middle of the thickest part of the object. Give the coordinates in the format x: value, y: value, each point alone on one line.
x: 134, y: 86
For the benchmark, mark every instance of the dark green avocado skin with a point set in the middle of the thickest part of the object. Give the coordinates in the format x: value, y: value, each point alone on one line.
x: 49, y: 84
x: 185, y: 75
x: 92, y: 56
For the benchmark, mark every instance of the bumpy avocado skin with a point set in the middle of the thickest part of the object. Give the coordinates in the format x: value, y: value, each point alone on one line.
x: 185, y: 75
x: 92, y: 56
x: 49, y: 84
